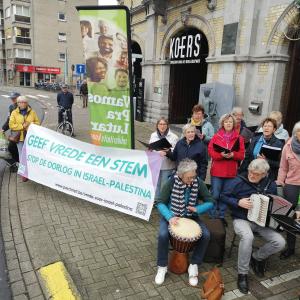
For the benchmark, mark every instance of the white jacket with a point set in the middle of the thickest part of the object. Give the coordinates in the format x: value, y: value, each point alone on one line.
x: 172, y: 138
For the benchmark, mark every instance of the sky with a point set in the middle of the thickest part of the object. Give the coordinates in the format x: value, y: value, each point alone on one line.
x: 107, y: 2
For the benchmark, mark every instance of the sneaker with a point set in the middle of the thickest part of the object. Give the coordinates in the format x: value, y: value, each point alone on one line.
x: 160, y: 276
x: 193, y: 274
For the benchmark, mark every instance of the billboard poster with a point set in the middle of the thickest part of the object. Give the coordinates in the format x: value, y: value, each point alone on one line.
x: 105, y: 33
x: 121, y: 179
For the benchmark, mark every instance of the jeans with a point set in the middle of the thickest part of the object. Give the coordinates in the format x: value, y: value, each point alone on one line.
x: 217, y: 186
x: 244, y: 229
x: 162, y: 179
x: 163, y: 244
x: 20, y: 147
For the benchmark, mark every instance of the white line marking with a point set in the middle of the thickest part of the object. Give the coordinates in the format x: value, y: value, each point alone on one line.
x: 6, y: 96
x: 281, y: 278
x: 43, y: 96
x: 31, y: 96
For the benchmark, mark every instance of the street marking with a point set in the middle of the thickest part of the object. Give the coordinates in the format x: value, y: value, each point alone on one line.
x: 43, y: 96
x: 31, y: 96
x: 58, y: 283
x: 6, y: 96
x: 269, y: 283
x: 49, y: 103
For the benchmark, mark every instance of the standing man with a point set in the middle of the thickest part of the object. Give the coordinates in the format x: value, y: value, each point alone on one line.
x: 84, y: 93
x: 12, y: 147
x: 65, y: 99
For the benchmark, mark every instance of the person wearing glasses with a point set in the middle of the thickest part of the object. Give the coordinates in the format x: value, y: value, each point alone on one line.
x: 168, y: 166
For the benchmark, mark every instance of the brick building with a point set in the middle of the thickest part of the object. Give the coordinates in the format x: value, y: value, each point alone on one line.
x: 243, y: 43
x: 40, y: 40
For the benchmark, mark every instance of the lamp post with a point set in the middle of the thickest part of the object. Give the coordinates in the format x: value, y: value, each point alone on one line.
x: 66, y: 67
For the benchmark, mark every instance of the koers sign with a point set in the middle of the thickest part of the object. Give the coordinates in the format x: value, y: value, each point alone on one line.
x: 185, y: 49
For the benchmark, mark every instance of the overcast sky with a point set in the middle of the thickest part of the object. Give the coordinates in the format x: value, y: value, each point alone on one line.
x: 107, y: 2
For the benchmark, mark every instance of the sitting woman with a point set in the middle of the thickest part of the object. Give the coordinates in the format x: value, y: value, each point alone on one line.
x: 168, y: 166
x: 184, y: 190
x: 267, y: 138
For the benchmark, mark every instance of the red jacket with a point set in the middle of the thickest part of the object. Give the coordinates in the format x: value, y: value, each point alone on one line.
x: 222, y: 167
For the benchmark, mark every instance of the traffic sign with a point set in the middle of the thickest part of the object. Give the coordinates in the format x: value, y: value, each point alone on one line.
x: 80, y: 68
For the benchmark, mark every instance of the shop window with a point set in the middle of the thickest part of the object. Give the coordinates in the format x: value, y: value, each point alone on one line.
x: 61, y: 16
x: 62, y: 37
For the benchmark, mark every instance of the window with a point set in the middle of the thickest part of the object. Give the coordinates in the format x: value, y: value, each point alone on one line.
x: 62, y: 56
x: 22, y: 53
x: 61, y: 16
x: 7, y: 12
x: 21, y: 10
x: 62, y: 37
x: 22, y: 35
x: 9, y: 53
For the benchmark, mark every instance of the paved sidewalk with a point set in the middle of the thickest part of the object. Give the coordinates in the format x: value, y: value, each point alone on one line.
x: 109, y: 255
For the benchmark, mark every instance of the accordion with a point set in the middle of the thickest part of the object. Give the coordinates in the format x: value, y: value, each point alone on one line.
x: 261, y: 211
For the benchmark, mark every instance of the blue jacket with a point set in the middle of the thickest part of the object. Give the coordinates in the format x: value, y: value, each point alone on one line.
x: 65, y: 100
x: 236, y: 189
x: 274, y: 165
x: 196, y: 151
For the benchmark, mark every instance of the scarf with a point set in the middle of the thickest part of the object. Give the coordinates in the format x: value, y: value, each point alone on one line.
x: 296, y: 146
x: 164, y: 135
x: 199, y: 123
x: 177, y: 197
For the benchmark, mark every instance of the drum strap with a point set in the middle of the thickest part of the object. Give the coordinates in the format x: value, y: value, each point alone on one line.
x: 177, y: 197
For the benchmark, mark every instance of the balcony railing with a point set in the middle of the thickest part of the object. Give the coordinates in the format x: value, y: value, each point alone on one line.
x: 23, y: 19
x: 22, y: 40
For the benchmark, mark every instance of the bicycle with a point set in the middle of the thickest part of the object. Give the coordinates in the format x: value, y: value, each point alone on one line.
x: 65, y: 127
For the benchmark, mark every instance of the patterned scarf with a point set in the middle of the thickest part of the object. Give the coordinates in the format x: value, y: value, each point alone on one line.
x: 177, y: 197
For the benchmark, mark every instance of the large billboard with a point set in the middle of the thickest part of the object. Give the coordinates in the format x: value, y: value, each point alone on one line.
x: 105, y: 33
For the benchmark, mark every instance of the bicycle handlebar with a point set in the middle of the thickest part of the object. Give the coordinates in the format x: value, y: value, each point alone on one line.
x: 63, y: 108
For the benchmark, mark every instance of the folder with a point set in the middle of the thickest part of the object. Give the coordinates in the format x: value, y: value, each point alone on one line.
x: 270, y: 152
x: 158, y: 145
x: 235, y: 147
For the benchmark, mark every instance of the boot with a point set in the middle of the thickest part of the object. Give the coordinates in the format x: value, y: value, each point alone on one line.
x: 258, y: 266
x: 242, y: 283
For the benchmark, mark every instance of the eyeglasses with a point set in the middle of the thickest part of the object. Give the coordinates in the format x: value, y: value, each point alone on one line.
x: 163, y: 124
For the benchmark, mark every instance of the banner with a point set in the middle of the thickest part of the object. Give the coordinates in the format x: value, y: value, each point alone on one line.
x: 121, y: 179
x: 105, y: 32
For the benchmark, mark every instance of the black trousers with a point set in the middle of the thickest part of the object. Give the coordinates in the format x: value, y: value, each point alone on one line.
x: 291, y: 193
x: 12, y: 148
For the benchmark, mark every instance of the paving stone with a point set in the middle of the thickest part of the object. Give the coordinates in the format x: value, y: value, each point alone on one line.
x: 21, y: 297
x: 15, y: 275
x: 29, y: 278
x: 18, y: 288
x: 34, y: 290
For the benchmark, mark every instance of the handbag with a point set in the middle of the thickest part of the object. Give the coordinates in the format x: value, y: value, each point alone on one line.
x: 213, y: 287
x: 4, y: 153
x: 14, y: 136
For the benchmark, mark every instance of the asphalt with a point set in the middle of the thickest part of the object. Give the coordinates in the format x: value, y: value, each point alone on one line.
x: 107, y: 254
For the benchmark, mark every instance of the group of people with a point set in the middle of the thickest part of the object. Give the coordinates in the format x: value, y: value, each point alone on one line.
x: 106, y: 53
x: 238, y: 170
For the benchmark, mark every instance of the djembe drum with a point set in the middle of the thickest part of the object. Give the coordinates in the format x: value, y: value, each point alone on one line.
x: 183, y: 237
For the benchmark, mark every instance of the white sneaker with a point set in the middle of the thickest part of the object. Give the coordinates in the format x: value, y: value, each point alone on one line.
x: 193, y: 274
x: 160, y: 276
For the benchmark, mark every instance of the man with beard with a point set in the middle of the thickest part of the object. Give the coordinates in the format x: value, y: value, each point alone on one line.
x: 121, y: 89
x: 105, y: 44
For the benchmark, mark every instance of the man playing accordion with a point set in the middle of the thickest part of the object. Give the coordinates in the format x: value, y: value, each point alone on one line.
x: 237, y: 195
x: 180, y: 198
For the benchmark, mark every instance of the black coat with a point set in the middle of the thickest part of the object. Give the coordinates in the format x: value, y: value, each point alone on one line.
x: 65, y: 100
x: 274, y: 165
x: 84, y: 89
x: 12, y: 107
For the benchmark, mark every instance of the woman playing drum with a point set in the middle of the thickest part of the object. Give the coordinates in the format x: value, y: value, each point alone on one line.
x: 180, y: 198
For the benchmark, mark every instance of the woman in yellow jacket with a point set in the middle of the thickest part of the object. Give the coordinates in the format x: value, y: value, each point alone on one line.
x: 20, y: 119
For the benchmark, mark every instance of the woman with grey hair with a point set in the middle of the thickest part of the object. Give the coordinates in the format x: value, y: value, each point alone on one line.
x: 180, y: 197
x: 289, y: 178
x: 190, y: 146
x: 226, y: 150
x: 238, y: 113
x: 236, y: 194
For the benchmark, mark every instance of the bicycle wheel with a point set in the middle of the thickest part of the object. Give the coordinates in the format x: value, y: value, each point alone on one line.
x: 65, y: 128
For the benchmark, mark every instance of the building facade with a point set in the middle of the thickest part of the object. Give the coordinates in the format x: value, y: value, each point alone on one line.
x: 40, y: 40
x: 252, y: 45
